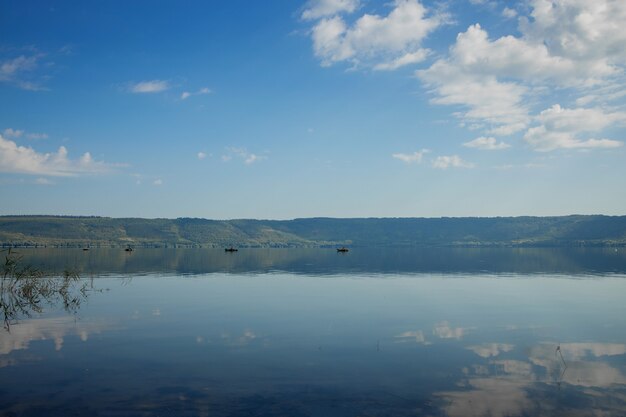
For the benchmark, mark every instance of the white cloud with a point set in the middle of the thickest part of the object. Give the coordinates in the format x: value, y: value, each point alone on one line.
x: 409, y: 158
x: 544, y: 140
x: 570, y: 44
x: 242, y: 153
x: 454, y: 161
x: 560, y: 128
x: 407, y: 59
x: 509, y: 13
x: 13, y: 133
x: 202, y: 155
x: 579, y: 119
x: 157, y: 182
x: 10, y: 68
x: 486, y: 143
x: 252, y: 158
x: 588, y: 32
x: 154, y: 86
x: 372, y: 40
x: 17, y: 133
x: 524, y: 58
x: 186, y: 94
x: 322, y: 8
x: 36, y: 136
x: 485, y: 100
x: 25, y: 160
x: 21, y: 70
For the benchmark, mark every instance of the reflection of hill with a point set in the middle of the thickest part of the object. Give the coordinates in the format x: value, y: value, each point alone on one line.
x: 423, y: 232
x: 327, y: 261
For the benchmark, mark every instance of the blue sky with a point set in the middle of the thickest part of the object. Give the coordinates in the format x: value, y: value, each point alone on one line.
x: 284, y: 109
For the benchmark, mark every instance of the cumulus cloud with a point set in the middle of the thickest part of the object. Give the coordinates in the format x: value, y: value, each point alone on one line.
x: 509, y: 13
x: 25, y: 160
x: 591, y: 33
x: 452, y: 161
x: 383, y: 42
x: 495, y: 83
x: 484, y: 99
x: 561, y: 128
x: 153, y: 86
x: 486, y: 143
x: 186, y: 94
x: 579, y: 119
x: 410, y: 158
x: 316, y: 9
x: 202, y: 155
x: 543, y: 140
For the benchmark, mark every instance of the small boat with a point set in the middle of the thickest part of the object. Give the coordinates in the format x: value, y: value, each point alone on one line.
x: 85, y: 248
x: 129, y: 248
x: 231, y: 249
x: 342, y: 249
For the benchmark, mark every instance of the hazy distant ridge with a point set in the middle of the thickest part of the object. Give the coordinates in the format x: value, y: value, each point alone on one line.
x: 573, y: 230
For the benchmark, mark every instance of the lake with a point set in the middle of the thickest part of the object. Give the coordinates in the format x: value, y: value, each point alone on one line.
x: 312, y: 332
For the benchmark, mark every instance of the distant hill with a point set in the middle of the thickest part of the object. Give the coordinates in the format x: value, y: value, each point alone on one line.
x: 575, y: 230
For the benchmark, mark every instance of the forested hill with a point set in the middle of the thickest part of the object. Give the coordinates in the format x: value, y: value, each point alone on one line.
x: 461, y: 231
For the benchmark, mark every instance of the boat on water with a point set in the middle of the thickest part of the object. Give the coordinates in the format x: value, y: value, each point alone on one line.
x: 343, y: 249
x: 231, y: 249
x: 129, y: 248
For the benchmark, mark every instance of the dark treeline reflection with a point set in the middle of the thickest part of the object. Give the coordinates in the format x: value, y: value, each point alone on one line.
x: 328, y: 261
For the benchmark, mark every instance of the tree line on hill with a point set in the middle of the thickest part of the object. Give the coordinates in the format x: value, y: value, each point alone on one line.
x: 68, y: 231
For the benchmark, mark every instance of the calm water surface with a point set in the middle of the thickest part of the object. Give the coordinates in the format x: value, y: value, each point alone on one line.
x: 309, y: 332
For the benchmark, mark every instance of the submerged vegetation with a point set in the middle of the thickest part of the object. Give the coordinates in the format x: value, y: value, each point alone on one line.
x: 25, y: 290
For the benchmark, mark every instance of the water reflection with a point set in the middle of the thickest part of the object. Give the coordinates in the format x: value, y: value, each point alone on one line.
x: 25, y: 290
x: 328, y: 261
x: 487, y: 350
x: 294, y: 344
x: 512, y: 387
x: 54, y: 329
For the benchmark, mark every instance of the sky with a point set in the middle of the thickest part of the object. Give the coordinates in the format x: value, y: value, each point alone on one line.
x: 338, y: 108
